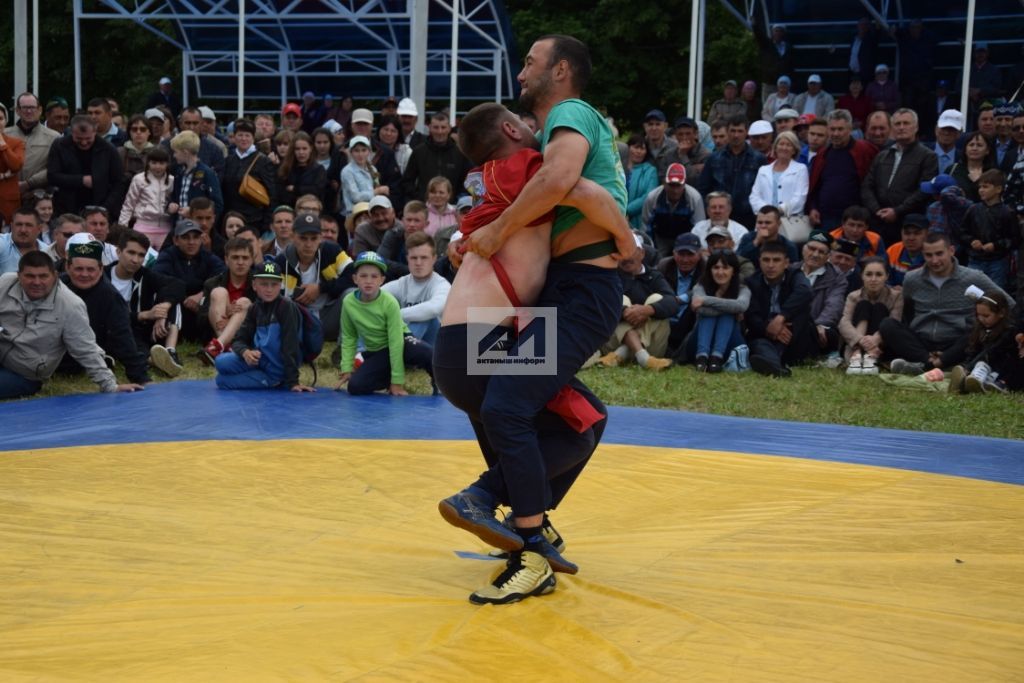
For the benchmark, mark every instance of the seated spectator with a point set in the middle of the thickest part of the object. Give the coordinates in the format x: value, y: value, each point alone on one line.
x: 648, y: 303
x: 97, y: 224
x: 641, y: 179
x: 978, y: 156
x: 815, y: 101
x: 422, y: 293
x: 750, y: 98
x: 107, y: 310
x: 769, y: 222
x: 778, y: 319
x: 671, y: 210
x: 444, y: 236
x: 730, y: 104
x: 192, y: 263
x: 440, y: 210
x: 281, y: 224
x: 22, y: 239
x: 67, y: 225
x: 719, y: 239
x: 855, y: 229
x: 145, y: 204
x: 845, y: 256
x: 375, y: 316
x: 719, y: 135
x: 938, y: 312
x: 720, y: 299
x: 192, y: 177
x: 782, y: 98
x: 990, y: 233
x: 43, y: 204
x: 883, y: 93
x: 719, y: 210
x: 152, y: 300
x: 369, y: 234
x: 266, y: 351
x: 227, y: 297
x: 316, y: 273
x: 828, y: 291
x: 688, y: 152
x: 994, y: 362
x: 863, y: 313
x: 782, y: 183
x: 392, y: 245
x: 41, y: 321
x: 948, y: 206
x: 202, y: 213
x: 682, y: 271
x: 330, y: 231
x: 907, y: 255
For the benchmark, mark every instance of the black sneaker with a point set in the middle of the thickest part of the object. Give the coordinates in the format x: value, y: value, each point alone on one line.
x: 763, y: 366
x: 714, y: 365
x: 476, y: 516
x: 526, y: 573
x: 165, y: 360
x: 551, y: 547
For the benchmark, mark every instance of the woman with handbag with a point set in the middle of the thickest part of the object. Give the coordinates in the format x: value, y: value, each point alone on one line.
x: 248, y: 179
x: 783, y: 184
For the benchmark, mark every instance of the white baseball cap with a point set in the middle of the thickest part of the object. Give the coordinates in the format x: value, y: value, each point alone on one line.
x: 380, y: 200
x: 362, y: 116
x: 951, y: 118
x: 155, y: 113
x: 406, y: 107
x: 207, y: 113
x: 760, y: 128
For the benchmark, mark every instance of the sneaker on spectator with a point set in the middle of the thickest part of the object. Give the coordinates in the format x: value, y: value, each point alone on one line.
x: 164, y: 360
x: 610, y: 360
x: 476, y: 515
x: 977, y: 381
x: 526, y: 573
x: 764, y: 366
x: 956, y: 380
x: 832, y: 361
x: 208, y: 354
x: 869, y: 365
x: 856, y: 366
x: 901, y: 366
x: 658, y: 364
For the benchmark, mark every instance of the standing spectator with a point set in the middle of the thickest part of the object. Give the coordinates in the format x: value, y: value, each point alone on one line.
x: 671, y: 210
x: 389, y: 135
x: 409, y: 115
x: 730, y: 105
x: 133, y: 152
x: 776, y: 53
x: 145, y: 203
x: 299, y: 173
x: 986, y: 83
x: 782, y: 183
x: 815, y: 101
x: 291, y: 117
x: 57, y: 115
x: 165, y: 97
x: 987, y: 119
x: 85, y: 169
x: 977, y: 156
x: 837, y: 172
x: 438, y: 156
x: 782, y: 98
x: 211, y: 151
x: 947, y: 132
x: 641, y: 179
x: 265, y: 131
x: 778, y: 318
x: 733, y: 170
x: 12, y: 158
x: 942, y: 101
x: 688, y: 152
x: 659, y: 145
x: 312, y: 113
x: 360, y: 181
x: 990, y: 232
x: 864, y: 50
x: 102, y: 115
x: 883, y: 93
x: 37, y: 140
x: 816, y: 139
x: 192, y: 178
x: 857, y: 103
x: 878, y: 129
x: 382, y: 158
x: 760, y: 136
x: 892, y: 187
x: 748, y: 95
x: 65, y: 227
x: 246, y: 160
x: 1004, y: 141
x: 916, y: 48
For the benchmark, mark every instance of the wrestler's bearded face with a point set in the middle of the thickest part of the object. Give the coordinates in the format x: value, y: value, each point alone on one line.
x: 535, y: 88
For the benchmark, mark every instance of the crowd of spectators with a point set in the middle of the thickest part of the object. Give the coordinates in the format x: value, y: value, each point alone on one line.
x: 878, y: 228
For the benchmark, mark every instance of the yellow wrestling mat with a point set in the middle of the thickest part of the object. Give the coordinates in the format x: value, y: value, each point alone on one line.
x: 327, y: 560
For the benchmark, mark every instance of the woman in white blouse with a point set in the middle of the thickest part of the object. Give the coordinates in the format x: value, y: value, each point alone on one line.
x: 782, y: 183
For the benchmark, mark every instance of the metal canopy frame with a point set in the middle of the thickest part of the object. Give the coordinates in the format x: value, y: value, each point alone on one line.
x: 369, y: 49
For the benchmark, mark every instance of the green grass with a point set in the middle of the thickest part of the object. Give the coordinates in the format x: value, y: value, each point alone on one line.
x: 811, y: 395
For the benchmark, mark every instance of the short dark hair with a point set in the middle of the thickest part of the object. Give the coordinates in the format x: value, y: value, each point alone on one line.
x: 237, y: 243
x: 245, y: 126
x: 637, y: 139
x: 438, y: 116
x: 992, y: 176
x: 576, y: 53
x: 736, y: 120
x: 773, y: 248
x: 418, y: 239
x: 36, y: 259
x: 857, y: 213
x: 245, y: 228
x: 101, y: 102
x: 79, y: 121
x: 201, y: 204
x: 133, y: 236
x: 768, y: 208
x: 935, y: 236
x: 480, y: 131
x: 26, y: 211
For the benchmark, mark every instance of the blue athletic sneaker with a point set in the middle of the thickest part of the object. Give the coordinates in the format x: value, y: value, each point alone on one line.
x: 476, y: 515
x: 549, y: 544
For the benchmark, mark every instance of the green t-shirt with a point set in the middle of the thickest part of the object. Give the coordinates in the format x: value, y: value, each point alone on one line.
x: 603, y: 164
x: 379, y: 323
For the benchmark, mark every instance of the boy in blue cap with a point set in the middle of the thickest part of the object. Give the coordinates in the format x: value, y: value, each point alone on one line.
x: 265, y: 353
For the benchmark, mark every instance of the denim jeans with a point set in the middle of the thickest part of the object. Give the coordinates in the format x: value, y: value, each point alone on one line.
x: 13, y: 385
x: 997, y: 271
x: 717, y: 335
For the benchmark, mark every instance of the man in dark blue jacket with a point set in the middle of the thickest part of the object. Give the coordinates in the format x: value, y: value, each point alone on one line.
x: 779, y: 317
x: 191, y: 263
x: 733, y: 169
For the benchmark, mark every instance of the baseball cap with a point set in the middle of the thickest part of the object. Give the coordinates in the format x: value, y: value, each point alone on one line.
x: 718, y: 231
x: 268, y: 270
x: 656, y: 114
x: 821, y: 237
x: 915, y: 220
x: 406, y: 107
x: 207, y: 113
x: 814, y: 78
x: 291, y: 108
x: 185, y: 226
x: 371, y: 258
x: 806, y: 119
x: 56, y: 101
x: 784, y: 79
x: 675, y: 174
x: 881, y: 67
x: 165, y: 81
x: 306, y: 223
x: 981, y: 45
x: 362, y: 116
x: 332, y: 126
x: 358, y: 140
x: 1007, y: 109
x: 951, y: 118
x: 154, y: 113
x: 937, y: 184
x: 730, y: 82
x: 309, y: 94
x: 379, y: 200
x: 786, y: 113
x: 687, y: 242
x: 685, y: 122
x: 760, y: 128
x: 465, y: 202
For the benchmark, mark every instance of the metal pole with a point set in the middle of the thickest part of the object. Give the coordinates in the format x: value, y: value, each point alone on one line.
x: 35, y: 47
x: 453, y: 88
x: 691, y: 103
x: 20, y: 46
x: 701, y: 31
x: 185, y: 56
x: 418, y: 13
x: 968, y: 45
x: 78, y: 56
x: 241, y: 58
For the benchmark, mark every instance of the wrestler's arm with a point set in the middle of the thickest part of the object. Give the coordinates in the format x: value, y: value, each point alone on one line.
x: 564, y: 157
x: 601, y: 209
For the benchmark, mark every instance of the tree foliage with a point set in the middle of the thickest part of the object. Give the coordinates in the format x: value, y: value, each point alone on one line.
x: 640, y: 50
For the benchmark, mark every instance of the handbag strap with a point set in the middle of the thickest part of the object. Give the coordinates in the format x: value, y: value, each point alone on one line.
x: 255, y: 158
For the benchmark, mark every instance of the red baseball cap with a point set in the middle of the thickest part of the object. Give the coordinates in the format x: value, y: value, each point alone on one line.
x: 805, y: 119
x: 676, y: 174
x: 291, y: 108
